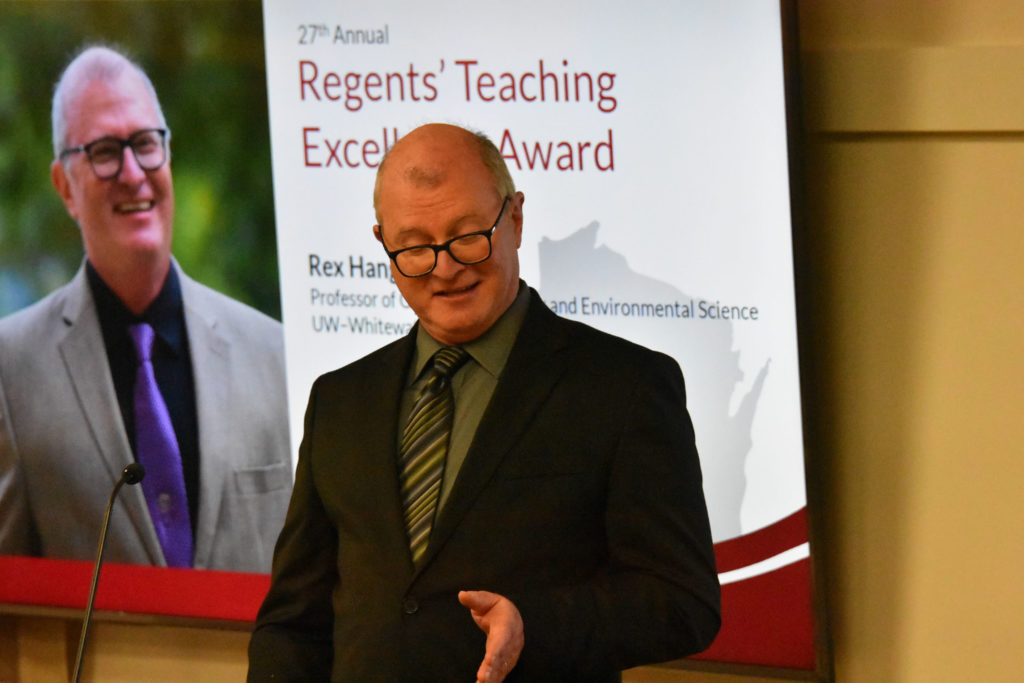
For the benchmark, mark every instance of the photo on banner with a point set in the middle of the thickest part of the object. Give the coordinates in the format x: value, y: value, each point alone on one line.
x: 206, y: 63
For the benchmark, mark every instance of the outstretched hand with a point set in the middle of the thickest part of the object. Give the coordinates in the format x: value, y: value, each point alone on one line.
x: 500, y: 620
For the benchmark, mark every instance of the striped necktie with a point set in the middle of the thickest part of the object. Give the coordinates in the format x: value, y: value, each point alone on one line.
x: 424, y: 446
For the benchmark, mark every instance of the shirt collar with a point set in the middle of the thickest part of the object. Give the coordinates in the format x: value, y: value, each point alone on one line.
x: 165, y: 315
x: 490, y: 350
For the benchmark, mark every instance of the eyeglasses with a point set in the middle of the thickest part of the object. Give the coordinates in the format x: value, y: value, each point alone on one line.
x: 106, y: 155
x: 468, y: 249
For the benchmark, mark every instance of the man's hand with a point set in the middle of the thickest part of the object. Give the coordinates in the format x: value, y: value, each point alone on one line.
x: 500, y: 620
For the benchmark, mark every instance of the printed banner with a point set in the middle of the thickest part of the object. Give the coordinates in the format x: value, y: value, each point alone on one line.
x: 649, y: 139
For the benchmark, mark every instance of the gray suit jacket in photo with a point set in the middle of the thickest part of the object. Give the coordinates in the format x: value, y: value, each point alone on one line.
x: 63, y: 443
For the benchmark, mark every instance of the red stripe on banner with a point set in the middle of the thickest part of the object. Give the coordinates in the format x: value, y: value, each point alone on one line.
x: 133, y: 588
x: 767, y: 620
x: 745, y: 550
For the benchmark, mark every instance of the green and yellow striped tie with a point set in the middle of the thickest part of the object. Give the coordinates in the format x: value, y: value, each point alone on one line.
x: 424, y: 446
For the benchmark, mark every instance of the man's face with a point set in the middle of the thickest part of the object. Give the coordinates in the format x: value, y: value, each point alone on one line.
x: 126, y: 219
x: 455, y: 303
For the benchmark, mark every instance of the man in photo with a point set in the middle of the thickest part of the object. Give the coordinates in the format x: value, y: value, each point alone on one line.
x: 133, y: 360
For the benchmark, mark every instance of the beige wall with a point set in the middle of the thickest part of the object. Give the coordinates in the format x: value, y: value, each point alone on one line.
x: 914, y: 184
x: 914, y: 179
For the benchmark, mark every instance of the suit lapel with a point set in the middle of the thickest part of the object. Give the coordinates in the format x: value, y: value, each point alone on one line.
x: 385, y: 476
x: 532, y: 371
x: 211, y: 371
x: 364, y: 444
x: 85, y: 361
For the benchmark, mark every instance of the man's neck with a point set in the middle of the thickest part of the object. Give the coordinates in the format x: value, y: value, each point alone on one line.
x: 136, y: 285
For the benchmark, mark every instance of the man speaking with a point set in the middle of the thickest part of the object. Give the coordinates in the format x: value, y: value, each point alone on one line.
x: 502, y: 494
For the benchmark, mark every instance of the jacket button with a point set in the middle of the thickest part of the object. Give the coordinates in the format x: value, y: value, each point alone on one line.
x: 411, y: 606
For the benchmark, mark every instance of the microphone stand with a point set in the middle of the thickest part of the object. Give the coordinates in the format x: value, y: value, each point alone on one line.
x: 132, y: 474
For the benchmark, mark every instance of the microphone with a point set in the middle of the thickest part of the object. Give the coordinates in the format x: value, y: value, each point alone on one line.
x: 132, y: 474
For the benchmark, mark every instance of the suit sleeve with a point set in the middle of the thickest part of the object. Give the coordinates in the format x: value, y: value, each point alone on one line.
x: 292, y: 637
x: 16, y: 527
x: 657, y: 596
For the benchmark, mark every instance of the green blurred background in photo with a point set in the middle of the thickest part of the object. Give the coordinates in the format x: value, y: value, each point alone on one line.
x: 206, y: 61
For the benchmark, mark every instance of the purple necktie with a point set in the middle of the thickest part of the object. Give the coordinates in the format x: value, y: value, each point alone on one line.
x: 158, y: 452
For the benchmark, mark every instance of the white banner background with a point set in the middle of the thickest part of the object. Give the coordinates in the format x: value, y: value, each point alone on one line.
x: 696, y: 207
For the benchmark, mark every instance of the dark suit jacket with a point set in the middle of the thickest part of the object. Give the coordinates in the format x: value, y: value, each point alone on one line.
x: 580, y: 500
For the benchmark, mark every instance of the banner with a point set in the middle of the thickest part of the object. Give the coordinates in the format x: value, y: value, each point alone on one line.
x: 650, y: 141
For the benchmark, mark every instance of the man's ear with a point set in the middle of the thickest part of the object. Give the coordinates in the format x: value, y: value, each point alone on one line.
x: 376, y: 233
x: 59, y: 176
x: 517, y: 217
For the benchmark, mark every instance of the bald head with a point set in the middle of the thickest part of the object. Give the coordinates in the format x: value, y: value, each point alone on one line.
x: 437, y: 185
x: 425, y: 157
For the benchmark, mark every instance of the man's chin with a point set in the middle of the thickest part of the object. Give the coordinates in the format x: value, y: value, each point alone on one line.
x: 451, y: 333
x: 142, y: 234
x: 141, y: 251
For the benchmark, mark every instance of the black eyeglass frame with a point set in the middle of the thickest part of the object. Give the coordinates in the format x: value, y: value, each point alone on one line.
x: 129, y: 142
x: 446, y: 246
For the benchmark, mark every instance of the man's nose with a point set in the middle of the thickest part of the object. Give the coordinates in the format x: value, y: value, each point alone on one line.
x: 131, y: 171
x: 447, y: 266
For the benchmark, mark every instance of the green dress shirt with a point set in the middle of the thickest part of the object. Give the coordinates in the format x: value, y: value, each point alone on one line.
x: 472, y: 386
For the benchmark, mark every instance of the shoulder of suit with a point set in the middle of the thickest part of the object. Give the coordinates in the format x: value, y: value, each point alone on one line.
x: 39, y: 318
x: 590, y: 347
x: 374, y: 366
x: 579, y: 333
x: 206, y: 299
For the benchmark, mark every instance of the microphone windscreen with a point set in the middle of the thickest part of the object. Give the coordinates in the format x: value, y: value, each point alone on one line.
x: 133, y: 473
